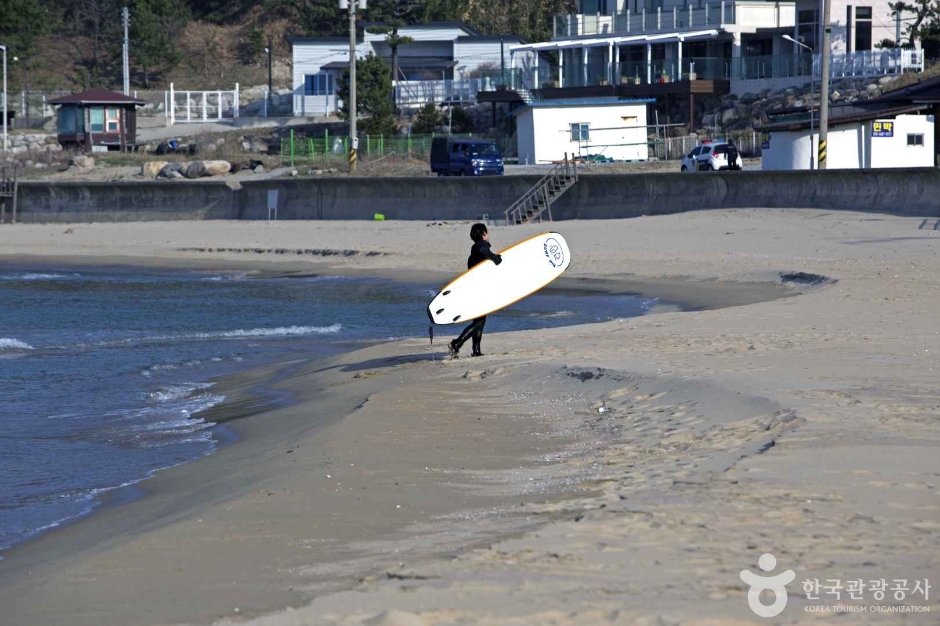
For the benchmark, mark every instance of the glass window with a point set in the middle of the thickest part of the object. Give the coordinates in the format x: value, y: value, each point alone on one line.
x: 486, y: 149
x: 706, y: 149
x: 580, y: 132
x: 113, y: 120
x: 862, y: 36
x: 807, y: 16
x: 97, y: 120
x: 695, y: 153
x: 66, y: 121
x: 915, y: 140
x: 320, y: 84
x: 862, y: 29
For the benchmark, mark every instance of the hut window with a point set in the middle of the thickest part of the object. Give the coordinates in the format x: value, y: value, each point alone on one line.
x: 113, y: 120
x: 66, y: 121
x: 97, y: 120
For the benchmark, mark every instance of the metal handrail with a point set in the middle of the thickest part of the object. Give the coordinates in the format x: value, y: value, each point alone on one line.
x: 539, y: 191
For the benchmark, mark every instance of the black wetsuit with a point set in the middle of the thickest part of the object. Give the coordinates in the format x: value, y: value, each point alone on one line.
x: 478, y: 253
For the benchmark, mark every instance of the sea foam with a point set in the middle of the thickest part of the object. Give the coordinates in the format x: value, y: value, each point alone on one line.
x: 7, y: 343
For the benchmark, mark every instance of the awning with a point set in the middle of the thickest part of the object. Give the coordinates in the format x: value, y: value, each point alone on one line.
x: 617, y: 41
x: 404, y: 63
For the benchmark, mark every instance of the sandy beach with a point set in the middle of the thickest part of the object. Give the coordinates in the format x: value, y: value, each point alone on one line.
x: 790, y: 407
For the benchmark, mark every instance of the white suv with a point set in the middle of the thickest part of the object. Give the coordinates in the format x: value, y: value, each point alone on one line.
x: 712, y: 156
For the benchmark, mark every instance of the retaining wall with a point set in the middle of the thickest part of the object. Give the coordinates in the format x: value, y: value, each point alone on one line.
x: 143, y: 201
x: 913, y: 192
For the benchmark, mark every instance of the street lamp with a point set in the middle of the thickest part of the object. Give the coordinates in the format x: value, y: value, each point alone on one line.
x: 812, y: 97
x: 270, y: 72
x: 4, y: 48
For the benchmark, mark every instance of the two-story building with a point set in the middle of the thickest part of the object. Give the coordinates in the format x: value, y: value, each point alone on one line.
x: 447, y: 62
x: 680, y: 50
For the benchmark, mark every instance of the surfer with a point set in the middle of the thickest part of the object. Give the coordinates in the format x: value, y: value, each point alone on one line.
x: 479, y: 252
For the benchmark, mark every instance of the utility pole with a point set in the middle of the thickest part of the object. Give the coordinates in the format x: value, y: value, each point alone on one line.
x: 127, y: 52
x: 824, y: 86
x: 812, y: 97
x: 270, y: 51
x: 353, y: 113
x: 502, y: 59
x: 4, y: 48
x: 897, y: 28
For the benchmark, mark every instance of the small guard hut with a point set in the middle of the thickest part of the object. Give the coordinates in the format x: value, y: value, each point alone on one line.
x: 97, y: 117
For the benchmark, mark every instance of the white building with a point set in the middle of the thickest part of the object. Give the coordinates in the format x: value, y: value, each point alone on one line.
x: 624, y: 47
x: 610, y: 128
x: 856, y: 139
x: 448, y: 61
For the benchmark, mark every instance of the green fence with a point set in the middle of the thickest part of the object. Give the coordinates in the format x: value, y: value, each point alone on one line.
x: 307, y: 149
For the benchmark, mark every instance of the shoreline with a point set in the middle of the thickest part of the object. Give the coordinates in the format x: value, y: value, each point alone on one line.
x: 770, y: 427
x: 254, y: 395
x: 677, y: 293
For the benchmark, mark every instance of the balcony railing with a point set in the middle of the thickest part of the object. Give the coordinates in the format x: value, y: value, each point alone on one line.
x: 713, y: 15
x: 416, y: 93
x: 859, y: 64
x: 753, y: 13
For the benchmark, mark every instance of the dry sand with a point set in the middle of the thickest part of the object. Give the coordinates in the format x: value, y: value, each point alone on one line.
x: 492, y: 490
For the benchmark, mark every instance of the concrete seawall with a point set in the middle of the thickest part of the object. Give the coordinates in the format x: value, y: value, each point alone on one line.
x: 143, y: 201
x: 914, y: 192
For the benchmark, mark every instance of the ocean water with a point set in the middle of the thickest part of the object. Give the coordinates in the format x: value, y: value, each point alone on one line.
x: 104, y: 375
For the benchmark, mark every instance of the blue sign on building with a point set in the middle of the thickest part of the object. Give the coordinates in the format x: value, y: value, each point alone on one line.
x: 882, y: 128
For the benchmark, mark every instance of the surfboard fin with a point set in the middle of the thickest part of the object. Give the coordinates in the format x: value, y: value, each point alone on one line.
x: 430, y: 326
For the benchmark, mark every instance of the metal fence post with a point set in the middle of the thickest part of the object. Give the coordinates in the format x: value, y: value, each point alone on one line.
x: 292, y: 147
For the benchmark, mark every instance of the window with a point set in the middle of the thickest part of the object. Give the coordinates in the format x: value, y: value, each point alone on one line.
x: 580, y: 132
x: 862, y: 29
x: 695, y: 153
x: 915, y: 140
x: 807, y: 28
x: 66, y: 121
x: 486, y: 149
x: 97, y: 120
x: 112, y: 120
x: 706, y: 149
x: 318, y: 84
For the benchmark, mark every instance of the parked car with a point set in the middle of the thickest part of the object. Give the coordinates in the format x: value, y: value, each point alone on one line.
x: 453, y: 156
x: 710, y: 156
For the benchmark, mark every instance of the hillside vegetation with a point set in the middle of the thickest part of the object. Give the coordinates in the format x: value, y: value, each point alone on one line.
x: 76, y: 44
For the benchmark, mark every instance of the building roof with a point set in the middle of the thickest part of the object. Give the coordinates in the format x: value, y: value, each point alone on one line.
x: 581, y: 102
x: 509, y: 39
x: 461, y: 25
x: 310, y: 40
x: 924, y: 91
x: 362, y: 26
x: 850, y: 116
x: 97, y: 96
x: 404, y: 63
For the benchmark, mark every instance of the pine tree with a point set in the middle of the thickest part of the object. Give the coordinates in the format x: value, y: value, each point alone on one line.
x: 427, y: 121
x: 22, y: 23
x: 155, y: 28
x: 372, y: 87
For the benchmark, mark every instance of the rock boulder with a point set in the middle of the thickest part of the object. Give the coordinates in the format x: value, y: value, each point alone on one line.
x: 217, y: 168
x: 83, y: 162
x: 152, y: 169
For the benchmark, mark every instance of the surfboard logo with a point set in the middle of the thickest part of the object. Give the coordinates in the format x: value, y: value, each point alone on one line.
x: 554, y: 252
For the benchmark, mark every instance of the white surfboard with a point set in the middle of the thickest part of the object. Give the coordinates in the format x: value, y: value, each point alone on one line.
x: 485, y: 288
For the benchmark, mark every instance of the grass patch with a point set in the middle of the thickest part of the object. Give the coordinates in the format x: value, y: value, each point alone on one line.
x: 912, y: 78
